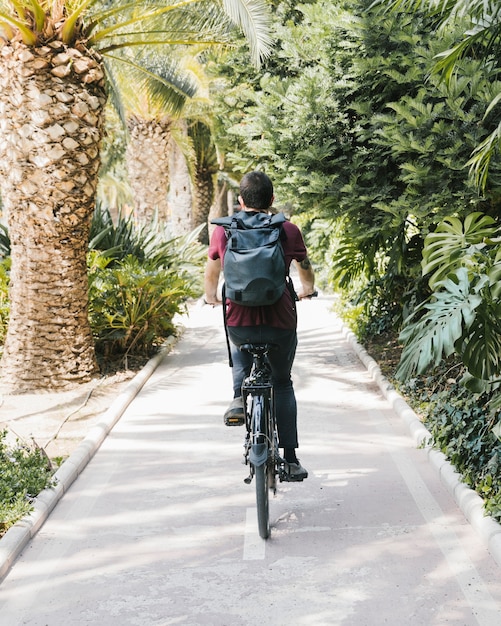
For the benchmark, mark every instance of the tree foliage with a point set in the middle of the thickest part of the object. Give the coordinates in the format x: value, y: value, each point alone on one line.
x: 462, y: 261
x: 356, y: 130
x: 478, y: 37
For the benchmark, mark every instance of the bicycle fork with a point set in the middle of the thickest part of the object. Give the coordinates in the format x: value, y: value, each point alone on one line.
x: 256, y: 442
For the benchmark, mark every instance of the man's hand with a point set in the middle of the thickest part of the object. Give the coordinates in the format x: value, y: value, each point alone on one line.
x: 212, y: 302
x: 211, y: 281
x: 307, y: 296
x: 307, y: 278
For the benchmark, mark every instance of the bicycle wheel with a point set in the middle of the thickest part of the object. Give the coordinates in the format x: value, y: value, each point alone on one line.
x: 262, y: 502
x: 259, y: 421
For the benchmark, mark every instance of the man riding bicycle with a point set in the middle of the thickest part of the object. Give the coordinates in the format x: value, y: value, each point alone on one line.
x: 275, y: 323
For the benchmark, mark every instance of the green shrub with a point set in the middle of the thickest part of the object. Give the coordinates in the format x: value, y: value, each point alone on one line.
x: 461, y: 425
x: 120, y: 239
x: 25, y: 472
x: 132, y: 304
x: 138, y: 280
x: 148, y: 242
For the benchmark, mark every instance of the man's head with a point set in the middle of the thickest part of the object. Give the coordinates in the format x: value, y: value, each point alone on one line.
x: 256, y: 191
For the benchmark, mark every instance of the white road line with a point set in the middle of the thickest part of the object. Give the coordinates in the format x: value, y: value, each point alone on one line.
x: 476, y: 593
x: 254, y: 546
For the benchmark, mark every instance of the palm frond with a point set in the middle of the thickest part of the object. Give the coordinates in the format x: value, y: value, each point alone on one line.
x: 115, y: 98
x: 482, y: 155
x: 186, y: 23
x: 484, y: 35
x: 252, y: 17
x: 11, y: 21
x: 151, y: 77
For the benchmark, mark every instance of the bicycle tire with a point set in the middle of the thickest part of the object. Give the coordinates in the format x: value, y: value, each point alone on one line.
x: 262, y: 501
x: 260, y: 406
x: 272, y: 477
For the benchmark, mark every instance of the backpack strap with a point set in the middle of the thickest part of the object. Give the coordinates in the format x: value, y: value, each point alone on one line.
x: 222, y: 221
x: 225, y: 322
x: 237, y: 220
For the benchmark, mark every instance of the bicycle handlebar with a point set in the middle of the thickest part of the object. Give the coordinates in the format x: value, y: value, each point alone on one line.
x: 309, y: 296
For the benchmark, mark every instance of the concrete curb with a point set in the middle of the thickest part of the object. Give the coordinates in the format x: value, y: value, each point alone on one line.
x: 17, y: 537
x: 470, y: 503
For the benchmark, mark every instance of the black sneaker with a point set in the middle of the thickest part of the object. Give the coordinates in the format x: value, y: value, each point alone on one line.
x: 294, y: 472
x: 235, y: 415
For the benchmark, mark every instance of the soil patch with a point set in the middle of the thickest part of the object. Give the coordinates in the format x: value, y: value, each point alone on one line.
x: 386, y: 351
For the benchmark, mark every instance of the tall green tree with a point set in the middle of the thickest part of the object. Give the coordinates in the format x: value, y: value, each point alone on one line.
x: 478, y: 35
x: 355, y: 131
x: 57, y: 60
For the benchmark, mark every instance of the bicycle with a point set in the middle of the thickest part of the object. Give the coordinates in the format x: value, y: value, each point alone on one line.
x: 261, y: 440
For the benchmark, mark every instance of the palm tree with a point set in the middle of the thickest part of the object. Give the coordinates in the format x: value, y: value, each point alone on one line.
x: 205, y: 175
x: 157, y: 136
x: 203, y: 155
x: 149, y: 122
x: 153, y: 123
x: 57, y: 61
x: 180, y: 195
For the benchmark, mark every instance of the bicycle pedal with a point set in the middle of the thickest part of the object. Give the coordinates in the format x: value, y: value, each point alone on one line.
x: 286, y: 477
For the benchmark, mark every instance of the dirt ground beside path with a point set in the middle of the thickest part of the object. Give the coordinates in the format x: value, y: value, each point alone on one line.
x: 58, y: 422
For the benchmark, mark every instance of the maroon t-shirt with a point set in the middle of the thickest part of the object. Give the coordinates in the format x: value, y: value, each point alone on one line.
x: 282, y: 314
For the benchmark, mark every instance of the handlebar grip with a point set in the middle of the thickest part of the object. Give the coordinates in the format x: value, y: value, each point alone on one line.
x: 310, y: 295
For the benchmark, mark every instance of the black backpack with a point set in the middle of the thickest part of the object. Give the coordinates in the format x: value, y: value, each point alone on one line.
x: 254, y: 267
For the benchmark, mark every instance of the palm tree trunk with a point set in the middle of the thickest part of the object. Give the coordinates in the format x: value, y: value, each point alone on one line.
x: 148, y: 166
x: 219, y: 207
x: 180, y: 193
x: 205, y: 170
x: 51, y: 112
x: 203, y: 198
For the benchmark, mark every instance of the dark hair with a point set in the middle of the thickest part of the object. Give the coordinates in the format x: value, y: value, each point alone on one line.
x: 256, y: 190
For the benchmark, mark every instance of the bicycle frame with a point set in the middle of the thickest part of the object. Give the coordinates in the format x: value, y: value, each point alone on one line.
x: 258, y: 400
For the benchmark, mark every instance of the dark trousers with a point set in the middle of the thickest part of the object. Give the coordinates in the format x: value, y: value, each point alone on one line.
x: 281, y: 361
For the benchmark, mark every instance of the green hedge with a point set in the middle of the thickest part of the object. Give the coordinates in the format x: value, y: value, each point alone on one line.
x: 461, y: 424
x: 25, y: 472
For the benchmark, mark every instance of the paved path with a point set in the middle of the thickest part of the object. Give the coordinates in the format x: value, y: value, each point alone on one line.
x: 160, y: 528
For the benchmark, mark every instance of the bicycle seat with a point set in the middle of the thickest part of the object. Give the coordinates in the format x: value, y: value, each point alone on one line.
x: 258, y: 349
